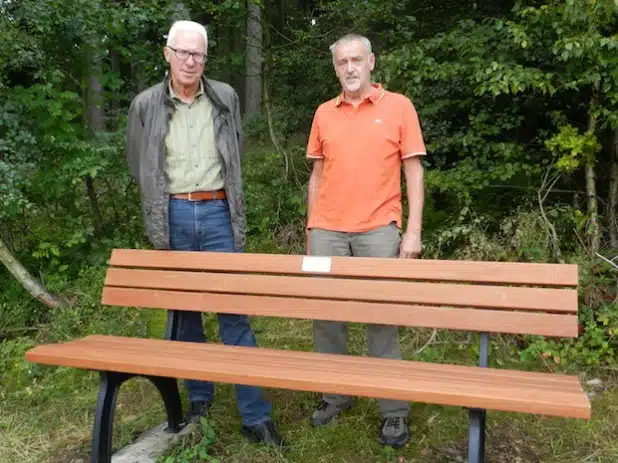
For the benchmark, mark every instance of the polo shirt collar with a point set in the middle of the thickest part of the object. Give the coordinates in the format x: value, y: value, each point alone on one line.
x: 376, y: 93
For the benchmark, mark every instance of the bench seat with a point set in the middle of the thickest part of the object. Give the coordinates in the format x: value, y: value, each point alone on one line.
x: 444, y: 384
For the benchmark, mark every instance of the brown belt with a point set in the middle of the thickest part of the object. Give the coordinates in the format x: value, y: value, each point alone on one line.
x: 201, y: 195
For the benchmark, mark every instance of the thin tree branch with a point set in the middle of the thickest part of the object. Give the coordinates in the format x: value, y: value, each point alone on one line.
x: 610, y: 262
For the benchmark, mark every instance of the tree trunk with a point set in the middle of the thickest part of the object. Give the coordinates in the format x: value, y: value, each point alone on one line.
x: 593, y: 208
x: 97, y: 218
x: 115, y: 103
x: 593, y: 229
x: 253, y: 76
x: 613, y: 196
x: 30, y: 284
x: 96, y: 100
x: 238, y: 46
x: 96, y: 124
x: 283, y: 155
x: 268, y: 107
x: 226, y: 45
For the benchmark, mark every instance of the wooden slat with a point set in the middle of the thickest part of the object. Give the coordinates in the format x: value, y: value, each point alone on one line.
x: 471, y: 387
x: 460, y: 295
x: 493, y: 321
x: 411, y: 269
x: 281, y: 359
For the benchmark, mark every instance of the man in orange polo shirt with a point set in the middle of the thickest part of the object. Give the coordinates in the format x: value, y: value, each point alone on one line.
x: 358, y: 143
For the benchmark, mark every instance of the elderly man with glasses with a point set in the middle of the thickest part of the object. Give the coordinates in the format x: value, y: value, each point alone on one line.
x: 184, y: 143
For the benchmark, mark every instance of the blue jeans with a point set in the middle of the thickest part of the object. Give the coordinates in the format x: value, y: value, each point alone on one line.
x: 206, y: 226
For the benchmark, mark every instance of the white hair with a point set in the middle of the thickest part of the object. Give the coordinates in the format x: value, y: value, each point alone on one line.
x: 351, y: 38
x: 190, y: 26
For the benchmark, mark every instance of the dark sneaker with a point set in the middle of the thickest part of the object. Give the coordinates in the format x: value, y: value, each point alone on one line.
x: 326, y: 411
x: 265, y: 433
x: 197, y: 410
x: 395, y: 431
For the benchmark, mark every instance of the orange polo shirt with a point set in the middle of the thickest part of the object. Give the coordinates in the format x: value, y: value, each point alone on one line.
x: 362, y: 148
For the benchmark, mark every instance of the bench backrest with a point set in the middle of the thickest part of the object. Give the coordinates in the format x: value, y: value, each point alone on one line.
x: 500, y: 297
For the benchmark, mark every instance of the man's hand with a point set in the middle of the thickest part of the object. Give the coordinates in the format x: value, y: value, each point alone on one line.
x: 410, y: 247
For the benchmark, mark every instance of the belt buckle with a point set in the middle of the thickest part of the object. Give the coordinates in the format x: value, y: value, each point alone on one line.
x: 189, y: 198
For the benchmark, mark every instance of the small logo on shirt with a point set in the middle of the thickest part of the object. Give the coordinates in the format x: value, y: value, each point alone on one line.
x: 378, y: 121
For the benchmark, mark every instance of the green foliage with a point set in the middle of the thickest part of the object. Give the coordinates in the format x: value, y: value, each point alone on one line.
x: 572, y: 148
x: 276, y: 208
x: 33, y: 148
x: 502, y: 97
x: 18, y: 315
x: 198, y: 451
x: 520, y: 236
x: 18, y: 373
x: 595, y: 345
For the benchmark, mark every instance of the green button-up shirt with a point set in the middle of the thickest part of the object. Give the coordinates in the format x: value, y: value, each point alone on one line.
x: 193, y: 162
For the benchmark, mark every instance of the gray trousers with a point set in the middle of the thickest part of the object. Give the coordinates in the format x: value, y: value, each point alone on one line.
x: 331, y: 337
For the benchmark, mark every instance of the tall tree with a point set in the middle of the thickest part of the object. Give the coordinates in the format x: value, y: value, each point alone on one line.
x: 95, y: 119
x: 593, y: 226
x: 253, y: 76
x: 612, y: 216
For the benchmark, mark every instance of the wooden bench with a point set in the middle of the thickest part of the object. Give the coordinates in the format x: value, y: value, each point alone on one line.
x: 484, y: 297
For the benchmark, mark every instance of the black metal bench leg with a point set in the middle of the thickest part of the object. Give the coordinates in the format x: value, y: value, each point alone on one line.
x: 476, y: 426
x: 168, y: 387
x: 476, y: 436
x: 104, y: 416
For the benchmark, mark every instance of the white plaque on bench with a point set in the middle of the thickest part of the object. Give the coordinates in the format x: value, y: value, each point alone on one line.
x: 316, y: 264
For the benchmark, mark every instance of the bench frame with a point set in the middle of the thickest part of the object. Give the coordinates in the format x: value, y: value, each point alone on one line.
x: 168, y: 387
x: 110, y: 382
x: 106, y: 406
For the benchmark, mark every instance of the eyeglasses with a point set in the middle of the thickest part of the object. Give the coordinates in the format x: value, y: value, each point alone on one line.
x: 183, y: 55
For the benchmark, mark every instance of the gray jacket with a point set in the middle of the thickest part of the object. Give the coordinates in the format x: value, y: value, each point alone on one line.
x: 147, y: 127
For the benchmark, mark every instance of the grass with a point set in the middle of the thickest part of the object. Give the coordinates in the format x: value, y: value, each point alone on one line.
x: 47, y: 415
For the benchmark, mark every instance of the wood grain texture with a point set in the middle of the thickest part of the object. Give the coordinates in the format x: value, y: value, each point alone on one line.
x: 473, y: 387
x: 407, y: 269
x: 458, y: 295
x: 455, y: 318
